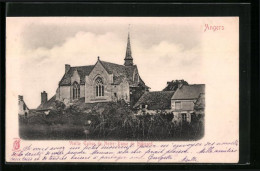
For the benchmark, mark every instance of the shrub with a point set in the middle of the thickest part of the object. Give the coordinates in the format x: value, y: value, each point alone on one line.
x: 116, y: 121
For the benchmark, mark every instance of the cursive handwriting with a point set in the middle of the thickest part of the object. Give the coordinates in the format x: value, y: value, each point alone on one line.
x: 116, y: 151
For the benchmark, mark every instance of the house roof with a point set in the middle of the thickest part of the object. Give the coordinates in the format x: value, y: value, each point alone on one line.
x: 50, y: 104
x: 120, y: 72
x: 189, y: 92
x: 156, y: 100
x: 82, y: 70
x: 25, y: 106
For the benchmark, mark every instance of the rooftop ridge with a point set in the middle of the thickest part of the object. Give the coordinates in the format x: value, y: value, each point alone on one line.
x: 111, y: 63
x: 81, y: 66
x: 160, y: 91
x: 117, y: 64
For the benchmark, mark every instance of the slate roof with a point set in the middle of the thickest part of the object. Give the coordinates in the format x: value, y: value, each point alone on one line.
x: 156, y: 100
x: 187, y: 92
x: 48, y: 105
x: 120, y: 72
x: 82, y: 70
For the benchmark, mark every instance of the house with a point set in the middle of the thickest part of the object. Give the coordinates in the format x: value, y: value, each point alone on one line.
x: 182, y: 103
x: 152, y: 102
x: 23, y: 110
x: 46, y: 105
x: 184, y: 100
x: 102, y: 82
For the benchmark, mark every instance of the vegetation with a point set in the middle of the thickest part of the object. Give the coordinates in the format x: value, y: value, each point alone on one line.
x: 173, y: 85
x: 106, y: 121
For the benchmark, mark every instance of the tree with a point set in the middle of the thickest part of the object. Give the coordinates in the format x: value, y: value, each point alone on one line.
x: 199, y: 105
x: 173, y: 85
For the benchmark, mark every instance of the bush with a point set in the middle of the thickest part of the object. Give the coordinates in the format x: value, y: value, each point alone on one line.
x: 115, y: 122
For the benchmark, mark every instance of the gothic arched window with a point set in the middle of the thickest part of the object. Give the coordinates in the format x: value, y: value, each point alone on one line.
x: 76, y: 90
x: 99, y: 87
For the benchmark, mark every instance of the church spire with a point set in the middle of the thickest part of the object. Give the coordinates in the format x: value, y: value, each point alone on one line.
x: 128, y: 55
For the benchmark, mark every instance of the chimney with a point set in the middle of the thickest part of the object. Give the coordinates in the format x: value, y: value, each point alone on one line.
x: 67, y: 68
x: 44, y: 97
x: 20, y: 98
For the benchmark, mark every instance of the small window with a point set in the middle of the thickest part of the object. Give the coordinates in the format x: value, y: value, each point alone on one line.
x: 184, y: 117
x: 143, y: 106
x: 177, y: 105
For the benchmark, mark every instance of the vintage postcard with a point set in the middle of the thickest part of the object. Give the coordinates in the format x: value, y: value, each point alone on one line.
x: 122, y: 89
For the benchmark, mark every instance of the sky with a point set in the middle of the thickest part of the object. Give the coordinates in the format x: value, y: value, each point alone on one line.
x: 163, y: 48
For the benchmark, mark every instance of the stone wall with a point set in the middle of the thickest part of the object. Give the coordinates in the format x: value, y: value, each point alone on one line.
x: 122, y: 91
x: 64, y: 94
x: 186, y: 107
x: 82, y: 91
x: 22, y: 108
x: 90, y: 85
x: 111, y: 92
x: 185, y: 104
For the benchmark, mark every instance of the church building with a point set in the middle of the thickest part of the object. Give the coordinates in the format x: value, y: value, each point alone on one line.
x: 102, y: 82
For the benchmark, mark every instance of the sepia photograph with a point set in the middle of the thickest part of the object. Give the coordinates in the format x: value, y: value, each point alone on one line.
x: 122, y: 89
x: 119, y: 81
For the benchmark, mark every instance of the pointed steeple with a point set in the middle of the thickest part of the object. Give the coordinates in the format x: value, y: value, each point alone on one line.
x: 128, y: 55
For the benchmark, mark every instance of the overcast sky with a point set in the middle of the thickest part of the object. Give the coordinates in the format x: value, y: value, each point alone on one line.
x: 164, y: 49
